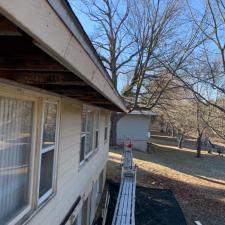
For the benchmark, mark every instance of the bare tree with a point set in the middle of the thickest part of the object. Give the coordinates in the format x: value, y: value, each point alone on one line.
x: 177, y: 110
x: 152, y: 26
x: 140, y: 38
x: 128, y: 35
x: 110, y: 37
x: 211, y: 22
x: 182, y: 110
x: 206, y: 62
x: 216, y: 120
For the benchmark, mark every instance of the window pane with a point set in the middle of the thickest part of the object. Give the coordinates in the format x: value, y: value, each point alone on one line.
x: 89, y: 137
x: 47, y: 158
x: 88, y: 143
x: 106, y: 120
x: 106, y: 133
x: 106, y: 126
x: 46, y: 175
x: 96, y: 139
x: 16, y: 120
x: 83, y: 119
x: 97, y: 120
x: 82, y: 148
x: 101, y: 182
x: 49, y: 126
x: 90, y: 120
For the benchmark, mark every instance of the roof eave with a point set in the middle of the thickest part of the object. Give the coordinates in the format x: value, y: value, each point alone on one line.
x: 40, y: 21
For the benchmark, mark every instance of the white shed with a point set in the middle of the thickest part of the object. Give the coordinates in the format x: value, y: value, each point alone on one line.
x: 135, y: 126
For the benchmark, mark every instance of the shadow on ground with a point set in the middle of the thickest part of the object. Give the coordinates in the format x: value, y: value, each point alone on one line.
x: 172, y: 141
x: 153, y: 206
x: 198, y: 200
x: 185, y: 161
x: 188, y: 142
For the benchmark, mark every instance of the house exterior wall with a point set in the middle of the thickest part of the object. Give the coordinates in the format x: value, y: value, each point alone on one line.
x: 136, y: 128
x: 72, y: 179
x: 52, y: 35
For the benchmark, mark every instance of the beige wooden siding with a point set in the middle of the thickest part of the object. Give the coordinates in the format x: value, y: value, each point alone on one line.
x: 72, y: 180
x: 40, y: 21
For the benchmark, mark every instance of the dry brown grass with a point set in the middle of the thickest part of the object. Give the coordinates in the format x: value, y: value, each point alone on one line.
x: 198, y: 184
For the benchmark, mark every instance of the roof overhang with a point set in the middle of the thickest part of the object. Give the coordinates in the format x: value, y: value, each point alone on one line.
x: 53, y: 29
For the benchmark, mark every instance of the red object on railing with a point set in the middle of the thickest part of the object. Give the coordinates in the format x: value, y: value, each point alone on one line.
x: 130, y: 145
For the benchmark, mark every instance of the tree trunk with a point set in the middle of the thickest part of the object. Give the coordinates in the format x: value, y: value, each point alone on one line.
x: 113, y: 137
x: 115, y: 117
x: 181, y: 141
x: 161, y: 126
x: 167, y: 127
x: 199, y: 146
x: 173, y: 132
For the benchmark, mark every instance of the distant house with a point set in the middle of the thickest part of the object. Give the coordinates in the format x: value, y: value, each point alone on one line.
x: 55, y: 104
x: 135, y: 126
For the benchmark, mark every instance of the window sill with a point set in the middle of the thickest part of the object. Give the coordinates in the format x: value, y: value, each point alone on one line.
x: 33, y: 212
x: 45, y: 202
x: 45, y: 197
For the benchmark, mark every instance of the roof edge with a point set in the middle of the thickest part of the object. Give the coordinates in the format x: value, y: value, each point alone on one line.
x: 84, y: 38
x: 52, y: 35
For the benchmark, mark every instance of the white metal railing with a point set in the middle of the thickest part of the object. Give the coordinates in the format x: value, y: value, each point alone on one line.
x: 125, y: 207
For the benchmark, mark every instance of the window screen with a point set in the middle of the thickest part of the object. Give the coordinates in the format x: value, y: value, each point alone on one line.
x: 89, y: 131
x: 16, y: 124
x: 48, y: 151
x: 106, y: 127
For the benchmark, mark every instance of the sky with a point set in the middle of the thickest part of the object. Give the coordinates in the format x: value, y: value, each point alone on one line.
x: 89, y: 26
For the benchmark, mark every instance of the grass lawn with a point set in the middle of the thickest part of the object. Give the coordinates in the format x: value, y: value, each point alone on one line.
x: 198, y: 184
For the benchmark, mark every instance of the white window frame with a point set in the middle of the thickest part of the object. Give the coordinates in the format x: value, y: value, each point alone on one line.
x: 13, y: 93
x: 106, y: 126
x: 54, y: 148
x: 38, y: 100
x: 94, y: 129
x: 89, y: 110
x: 83, y: 135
